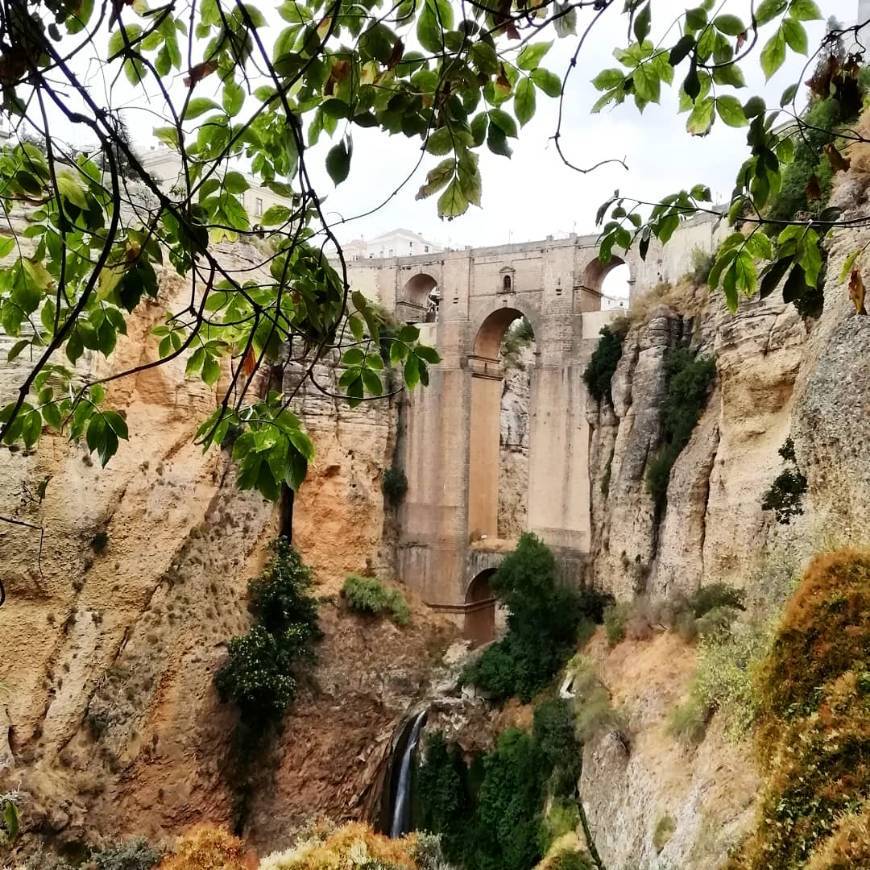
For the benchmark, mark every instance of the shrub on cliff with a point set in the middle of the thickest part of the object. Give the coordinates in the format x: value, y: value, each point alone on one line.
x: 813, y: 734
x: 207, y: 848
x: 688, y: 378
x: 786, y: 494
x: 259, y: 673
x: 543, y: 621
x: 369, y: 596
x: 602, y: 364
x: 134, y: 855
x: 355, y: 845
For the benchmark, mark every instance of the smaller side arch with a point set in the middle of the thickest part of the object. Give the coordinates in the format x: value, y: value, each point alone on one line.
x: 418, y: 299
x: 479, y: 623
x: 594, y: 276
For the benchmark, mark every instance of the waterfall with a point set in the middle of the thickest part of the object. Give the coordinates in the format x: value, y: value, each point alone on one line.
x: 400, y: 821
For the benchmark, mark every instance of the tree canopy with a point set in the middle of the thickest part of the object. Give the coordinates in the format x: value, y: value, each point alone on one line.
x: 262, y: 85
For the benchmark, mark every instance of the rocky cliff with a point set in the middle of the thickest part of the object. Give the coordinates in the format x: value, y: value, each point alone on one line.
x: 126, y: 585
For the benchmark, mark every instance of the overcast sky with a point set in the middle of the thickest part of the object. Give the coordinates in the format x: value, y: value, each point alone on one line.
x: 533, y: 194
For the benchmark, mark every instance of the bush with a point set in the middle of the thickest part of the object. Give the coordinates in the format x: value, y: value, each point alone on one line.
x: 786, y: 495
x: 509, y: 805
x: 206, y: 848
x: 602, y: 365
x: 553, y: 730
x: 135, y: 855
x: 594, y: 713
x: 571, y: 860
x: 370, y: 596
x: 814, y: 729
x: 849, y: 845
x: 615, y: 618
x: 702, y: 263
x: 445, y: 805
x: 562, y: 817
x: 394, y: 486
x: 720, y: 595
x: 543, y: 621
x: 259, y: 675
x: 727, y: 662
x: 688, y: 381
x: 256, y: 675
x: 352, y: 845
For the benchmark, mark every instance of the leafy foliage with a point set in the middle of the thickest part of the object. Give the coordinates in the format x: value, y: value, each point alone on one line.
x: 134, y: 855
x: 602, y: 365
x: 490, y: 816
x: 543, y: 620
x: 813, y: 732
x: 355, y: 845
x: 394, y: 485
x: 258, y: 675
x: 786, y: 493
x: 9, y: 821
x: 207, y: 846
x: 368, y: 595
x: 688, y: 384
x: 95, y: 249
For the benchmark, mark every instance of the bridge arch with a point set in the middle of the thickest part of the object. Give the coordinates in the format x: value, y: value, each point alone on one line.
x: 414, y: 302
x: 479, y: 621
x: 487, y: 376
x: 596, y: 276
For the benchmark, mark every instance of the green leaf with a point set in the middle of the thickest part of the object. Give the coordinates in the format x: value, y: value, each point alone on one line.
x: 233, y: 97
x: 547, y: 82
x: 437, y: 178
x: 524, y: 101
x: 197, y: 106
x: 608, y: 79
x: 773, y: 54
x: 235, y: 182
x: 338, y: 161
x: 730, y: 111
x: 436, y: 18
x: 788, y: 94
x: 211, y: 370
x: 795, y: 35
x: 804, y: 10
x: 275, y: 215
x: 849, y: 263
x: 504, y: 122
x: 530, y: 57
x: 70, y: 187
x: 730, y: 25
x: 412, y: 371
x: 7, y: 245
x: 701, y: 118
x: 453, y: 201
x: 642, y: 23
x: 769, y: 9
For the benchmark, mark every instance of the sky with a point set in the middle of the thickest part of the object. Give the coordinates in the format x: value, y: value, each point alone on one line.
x: 532, y: 195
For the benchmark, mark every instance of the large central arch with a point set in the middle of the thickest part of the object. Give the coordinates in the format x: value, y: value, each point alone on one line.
x: 487, y: 374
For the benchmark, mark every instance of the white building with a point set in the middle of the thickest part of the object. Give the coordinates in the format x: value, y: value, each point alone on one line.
x: 396, y: 243
x: 164, y: 165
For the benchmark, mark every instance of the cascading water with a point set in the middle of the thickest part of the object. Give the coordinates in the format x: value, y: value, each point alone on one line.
x: 400, y: 821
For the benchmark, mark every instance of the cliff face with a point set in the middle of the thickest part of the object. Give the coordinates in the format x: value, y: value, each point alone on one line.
x: 109, y: 722
x: 777, y: 377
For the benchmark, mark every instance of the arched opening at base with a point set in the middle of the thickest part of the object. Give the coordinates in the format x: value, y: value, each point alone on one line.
x: 479, y: 625
x: 605, y: 285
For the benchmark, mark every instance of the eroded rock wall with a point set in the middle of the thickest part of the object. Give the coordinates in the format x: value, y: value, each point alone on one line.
x: 109, y: 722
x: 778, y: 376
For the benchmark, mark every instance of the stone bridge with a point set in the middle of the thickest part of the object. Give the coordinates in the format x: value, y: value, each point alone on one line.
x: 449, y: 433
